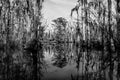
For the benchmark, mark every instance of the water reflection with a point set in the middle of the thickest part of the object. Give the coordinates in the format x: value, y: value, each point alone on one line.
x: 60, y: 58
x: 58, y: 62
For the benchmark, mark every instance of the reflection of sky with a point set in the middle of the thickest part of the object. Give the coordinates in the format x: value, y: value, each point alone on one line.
x: 53, y: 9
x: 53, y: 72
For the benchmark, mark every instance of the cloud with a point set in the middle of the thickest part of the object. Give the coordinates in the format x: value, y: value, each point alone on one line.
x: 64, y: 2
x: 55, y: 8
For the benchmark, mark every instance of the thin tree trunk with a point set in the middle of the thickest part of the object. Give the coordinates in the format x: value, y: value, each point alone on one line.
x: 109, y: 41
x: 7, y: 39
x: 118, y: 36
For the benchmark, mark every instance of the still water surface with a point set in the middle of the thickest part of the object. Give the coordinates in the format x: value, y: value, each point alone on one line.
x: 59, y: 62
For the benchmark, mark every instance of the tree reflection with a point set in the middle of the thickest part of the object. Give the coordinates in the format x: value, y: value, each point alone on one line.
x: 96, y: 65
x: 29, y: 64
x: 60, y: 59
x: 34, y: 51
x: 78, y: 55
x: 22, y: 64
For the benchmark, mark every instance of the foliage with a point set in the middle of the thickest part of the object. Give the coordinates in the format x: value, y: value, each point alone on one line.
x: 60, y: 24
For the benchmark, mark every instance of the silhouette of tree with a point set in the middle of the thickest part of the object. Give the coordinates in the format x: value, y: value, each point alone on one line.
x: 60, y: 24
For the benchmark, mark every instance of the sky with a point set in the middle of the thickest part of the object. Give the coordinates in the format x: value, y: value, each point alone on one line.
x: 53, y: 9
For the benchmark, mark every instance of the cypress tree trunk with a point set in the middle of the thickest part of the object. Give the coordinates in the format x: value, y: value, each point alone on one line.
x: 118, y: 35
x: 7, y: 23
x: 86, y: 23
x: 109, y: 41
x: 118, y: 21
x: 37, y: 33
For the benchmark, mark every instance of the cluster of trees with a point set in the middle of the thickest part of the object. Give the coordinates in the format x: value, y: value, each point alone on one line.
x: 99, y: 23
x: 20, y: 26
x: 20, y: 21
x: 93, y: 19
x: 20, y: 29
x: 64, y: 31
x: 95, y: 23
x: 60, y: 24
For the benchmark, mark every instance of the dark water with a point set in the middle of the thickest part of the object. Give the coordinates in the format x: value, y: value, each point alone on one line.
x: 59, y: 62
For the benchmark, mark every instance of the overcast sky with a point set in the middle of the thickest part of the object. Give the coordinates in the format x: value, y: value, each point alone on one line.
x: 53, y: 9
